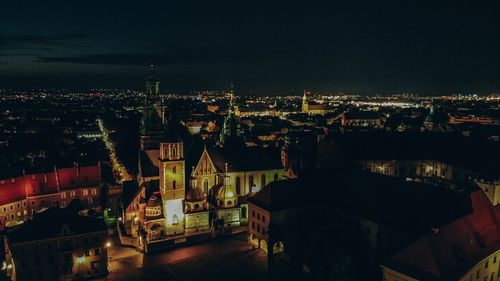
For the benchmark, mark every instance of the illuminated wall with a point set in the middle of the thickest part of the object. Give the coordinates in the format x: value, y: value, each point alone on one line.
x: 197, y: 222
x: 174, y: 216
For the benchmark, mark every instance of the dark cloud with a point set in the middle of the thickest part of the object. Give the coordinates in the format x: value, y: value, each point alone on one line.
x: 36, y: 41
x: 176, y: 55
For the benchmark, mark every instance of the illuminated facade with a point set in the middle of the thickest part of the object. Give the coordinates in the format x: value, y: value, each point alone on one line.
x: 172, y: 185
x: 57, y: 245
x: 313, y: 109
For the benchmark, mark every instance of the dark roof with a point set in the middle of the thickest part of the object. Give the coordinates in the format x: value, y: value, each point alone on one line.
x: 245, y: 158
x: 448, y: 252
x: 172, y: 131
x: 410, y: 207
x: 49, y: 224
x: 280, y: 195
x: 479, y: 156
x: 148, y: 169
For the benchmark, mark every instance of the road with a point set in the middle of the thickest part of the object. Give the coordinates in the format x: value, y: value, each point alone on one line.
x: 227, y: 258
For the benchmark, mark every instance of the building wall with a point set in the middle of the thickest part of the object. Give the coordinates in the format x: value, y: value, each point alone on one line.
x: 486, y: 269
x: 197, y: 222
x: 13, y: 213
x: 491, y: 189
x: 63, y: 258
x: 230, y: 216
x: 258, y: 222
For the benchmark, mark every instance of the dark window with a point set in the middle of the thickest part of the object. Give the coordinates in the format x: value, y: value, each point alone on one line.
x: 238, y: 185
x: 263, y: 180
x: 174, y: 169
x: 275, y: 177
x: 97, y: 251
x: 243, y: 212
x: 205, y: 186
x: 250, y: 181
x: 174, y: 184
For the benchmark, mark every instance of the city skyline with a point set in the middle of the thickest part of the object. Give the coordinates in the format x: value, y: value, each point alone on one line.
x: 370, y: 48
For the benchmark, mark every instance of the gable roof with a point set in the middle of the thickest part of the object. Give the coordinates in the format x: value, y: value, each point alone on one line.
x: 280, y: 195
x: 244, y: 159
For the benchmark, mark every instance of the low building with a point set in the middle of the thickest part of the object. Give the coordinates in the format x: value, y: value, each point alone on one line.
x: 57, y: 245
x: 465, y: 249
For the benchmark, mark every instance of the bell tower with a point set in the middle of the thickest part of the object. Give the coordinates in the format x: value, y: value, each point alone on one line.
x: 172, y: 183
x: 305, y: 102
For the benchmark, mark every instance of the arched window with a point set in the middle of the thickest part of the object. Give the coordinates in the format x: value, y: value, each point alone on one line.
x: 174, y: 169
x: 175, y: 219
x: 238, y: 185
x: 205, y: 186
x: 174, y: 184
x: 174, y: 151
x: 250, y: 181
x: 263, y: 180
x: 275, y: 177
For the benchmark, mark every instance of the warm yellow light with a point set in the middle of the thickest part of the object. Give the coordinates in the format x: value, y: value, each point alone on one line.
x: 9, y: 266
x: 108, y: 244
x: 230, y: 194
x: 80, y: 260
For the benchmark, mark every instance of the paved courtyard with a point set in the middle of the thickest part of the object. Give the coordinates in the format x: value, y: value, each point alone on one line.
x: 227, y: 258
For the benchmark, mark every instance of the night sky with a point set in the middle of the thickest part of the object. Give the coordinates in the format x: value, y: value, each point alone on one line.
x: 422, y: 47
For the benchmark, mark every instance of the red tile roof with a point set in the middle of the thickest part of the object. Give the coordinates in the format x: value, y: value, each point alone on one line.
x: 15, y: 189
x: 12, y: 190
x: 41, y: 184
x: 69, y: 178
x: 449, y: 252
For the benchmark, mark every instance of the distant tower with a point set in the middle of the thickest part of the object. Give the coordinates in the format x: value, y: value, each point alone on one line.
x: 305, y: 102
x: 151, y: 123
x: 231, y: 127
x: 172, y: 180
x: 152, y: 86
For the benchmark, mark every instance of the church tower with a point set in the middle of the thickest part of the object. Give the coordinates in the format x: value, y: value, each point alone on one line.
x: 172, y: 180
x: 151, y: 123
x: 305, y: 102
x: 231, y: 128
x: 152, y: 94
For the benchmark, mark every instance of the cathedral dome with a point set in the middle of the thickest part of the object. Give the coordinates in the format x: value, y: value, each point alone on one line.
x: 226, y: 192
x: 195, y: 195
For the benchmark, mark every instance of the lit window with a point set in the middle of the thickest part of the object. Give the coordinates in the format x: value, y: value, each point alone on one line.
x: 85, y: 192
x: 63, y: 195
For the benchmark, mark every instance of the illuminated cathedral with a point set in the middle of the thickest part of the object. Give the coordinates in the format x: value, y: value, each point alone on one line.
x: 165, y: 210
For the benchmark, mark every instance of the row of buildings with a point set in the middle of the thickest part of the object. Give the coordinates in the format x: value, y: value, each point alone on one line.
x: 22, y: 196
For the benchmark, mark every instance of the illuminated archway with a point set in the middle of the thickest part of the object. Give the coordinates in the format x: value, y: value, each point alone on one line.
x: 253, y: 240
